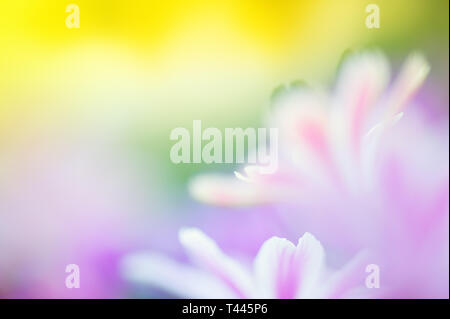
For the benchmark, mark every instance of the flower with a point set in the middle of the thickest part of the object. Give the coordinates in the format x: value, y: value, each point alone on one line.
x: 362, y: 169
x: 280, y: 270
x: 327, y: 141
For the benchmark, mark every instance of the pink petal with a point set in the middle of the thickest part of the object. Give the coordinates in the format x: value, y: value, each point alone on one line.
x: 283, y: 270
x: 205, y: 253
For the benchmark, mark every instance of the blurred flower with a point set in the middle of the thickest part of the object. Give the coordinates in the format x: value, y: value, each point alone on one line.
x: 359, y: 171
x: 280, y: 270
x: 326, y: 142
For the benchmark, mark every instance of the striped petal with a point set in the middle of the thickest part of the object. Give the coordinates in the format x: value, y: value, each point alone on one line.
x: 283, y: 270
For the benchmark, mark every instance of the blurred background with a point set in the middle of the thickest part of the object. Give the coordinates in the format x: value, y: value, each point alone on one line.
x: 85, y: 115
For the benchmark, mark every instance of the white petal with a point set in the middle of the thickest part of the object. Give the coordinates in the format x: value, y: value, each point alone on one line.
x: 205, y: 253
x: 370, y: 147
x: 312, y: 257
x: 411, y: 77
x: 161, y: 272
x: 283, y: 270
x: 302, y: 120
x: 362, y: 75
x: 361, y: 82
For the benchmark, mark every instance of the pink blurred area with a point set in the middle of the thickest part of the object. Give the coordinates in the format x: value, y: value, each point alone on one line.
x: 67, y: 199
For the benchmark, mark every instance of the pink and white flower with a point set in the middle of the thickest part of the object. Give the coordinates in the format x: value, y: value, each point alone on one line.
x: 362, y: 169
x: 280, y: 270
x: 327, y: 142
